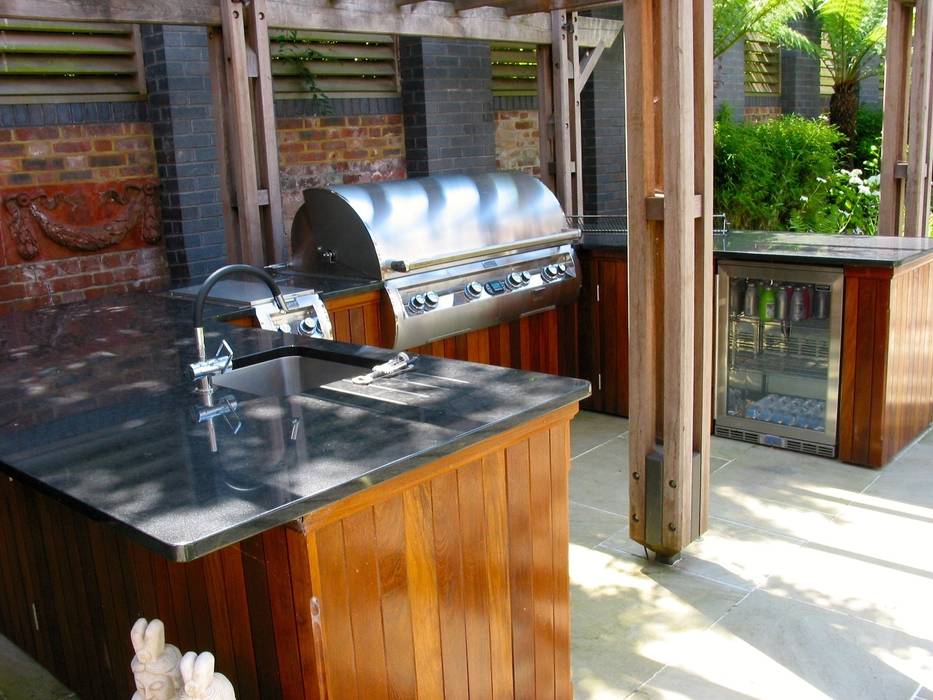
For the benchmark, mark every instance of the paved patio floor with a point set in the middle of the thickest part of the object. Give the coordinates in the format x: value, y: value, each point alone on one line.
x: 815, y: 580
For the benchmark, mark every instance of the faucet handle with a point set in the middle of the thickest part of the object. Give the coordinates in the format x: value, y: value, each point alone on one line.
x: 218, y: 364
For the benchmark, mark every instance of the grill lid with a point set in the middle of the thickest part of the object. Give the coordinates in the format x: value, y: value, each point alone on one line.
x: 382, y: 230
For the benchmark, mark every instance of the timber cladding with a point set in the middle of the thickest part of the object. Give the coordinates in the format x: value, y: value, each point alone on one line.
x: 449, y: 581
x: 886, y: 389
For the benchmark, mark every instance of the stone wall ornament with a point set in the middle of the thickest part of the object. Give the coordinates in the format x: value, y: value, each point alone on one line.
x: 30, y: 214
x: 200, y: 681
x: 155, y: 666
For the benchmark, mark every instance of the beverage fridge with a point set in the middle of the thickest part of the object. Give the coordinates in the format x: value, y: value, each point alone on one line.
x: 779, y: 344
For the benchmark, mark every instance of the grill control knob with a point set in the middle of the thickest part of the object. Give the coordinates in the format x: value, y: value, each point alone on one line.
x: 561, y: 269
x: 431, y: 300
x: 550, y: 273
x: 526, y: 277
x: 416, y: 303
x: 473, y: 290
x: 514, y: 280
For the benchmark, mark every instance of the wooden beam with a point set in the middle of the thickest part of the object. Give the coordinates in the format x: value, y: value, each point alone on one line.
x: 654, y: 207
x: 679, y: 280
x: 643, y: 173
x: 218, y: 73
x: 704, y: 328
x: 918, y: 132
x: 238, y: 112
x: 269, y: 196
x: 565, y: 60
x: 588, y: 66
x: 524, y: 7
x: 546, y: 148
x: 894, y: 132
x: 437, y: 19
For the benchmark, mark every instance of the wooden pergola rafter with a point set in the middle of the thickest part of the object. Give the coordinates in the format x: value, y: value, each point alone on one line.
x: 668, y: 50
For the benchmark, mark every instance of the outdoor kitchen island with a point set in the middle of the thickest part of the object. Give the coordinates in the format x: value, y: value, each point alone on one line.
x: 349, y: 540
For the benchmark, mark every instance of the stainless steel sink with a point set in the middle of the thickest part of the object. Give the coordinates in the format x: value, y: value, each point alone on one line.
x: 285, y: 375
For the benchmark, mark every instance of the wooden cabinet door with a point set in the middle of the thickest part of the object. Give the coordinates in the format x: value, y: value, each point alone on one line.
x: 603, y: 330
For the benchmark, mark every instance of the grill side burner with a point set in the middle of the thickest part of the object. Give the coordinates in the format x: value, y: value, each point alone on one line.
x: 455, y: 252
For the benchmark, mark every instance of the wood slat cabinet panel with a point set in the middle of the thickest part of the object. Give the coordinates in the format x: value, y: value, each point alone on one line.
x: 544, y: 342
x: 455, y: 580
x: 603, y: 330
x: 357, y: 318
x: 886, y: 384
x: 448, y: 581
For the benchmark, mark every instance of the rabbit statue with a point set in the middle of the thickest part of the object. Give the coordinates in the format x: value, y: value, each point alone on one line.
x: 155, y: 666
x: 200, y: 681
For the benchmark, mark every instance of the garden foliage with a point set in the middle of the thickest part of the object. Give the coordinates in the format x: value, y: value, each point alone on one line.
x: 787, y: 175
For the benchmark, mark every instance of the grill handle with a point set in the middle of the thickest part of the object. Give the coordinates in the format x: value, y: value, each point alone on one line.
x: 539, y: 242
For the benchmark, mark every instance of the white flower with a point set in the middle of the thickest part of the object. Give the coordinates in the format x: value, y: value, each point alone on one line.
x: 873, y: 181
x: 864, y: 190
x: 821, y: 179
x: 856, y: 171
x: 804, y: 198
x: 854, y: 179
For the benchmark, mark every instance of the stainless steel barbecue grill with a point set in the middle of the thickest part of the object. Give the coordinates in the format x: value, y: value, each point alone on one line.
x: 455, y: 252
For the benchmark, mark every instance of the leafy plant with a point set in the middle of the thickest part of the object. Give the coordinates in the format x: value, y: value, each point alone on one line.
x: 733, y: 19
x: 851, y: 197
x: 868, y: 123
x: 766, y: 175
x: 851, y: 50
x: 298, y: 54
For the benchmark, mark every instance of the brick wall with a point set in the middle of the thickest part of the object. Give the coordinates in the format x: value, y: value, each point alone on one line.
x: 60, y: 185
x: 729, y: 80
x: 517, y: 142
x: 336, y: 150
x: 447, y: 106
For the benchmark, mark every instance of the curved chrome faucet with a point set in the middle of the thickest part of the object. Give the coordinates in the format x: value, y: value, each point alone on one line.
x: 204, y: 369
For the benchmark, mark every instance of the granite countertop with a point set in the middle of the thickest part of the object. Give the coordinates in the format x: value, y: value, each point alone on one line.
x: 97, y: 414
x: 811, y: 249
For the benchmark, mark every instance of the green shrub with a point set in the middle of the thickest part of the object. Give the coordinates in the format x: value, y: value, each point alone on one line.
x: 766, y: 175
x: 868, y: 124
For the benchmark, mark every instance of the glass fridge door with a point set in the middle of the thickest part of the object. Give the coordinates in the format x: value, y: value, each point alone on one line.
x: 779, y: 347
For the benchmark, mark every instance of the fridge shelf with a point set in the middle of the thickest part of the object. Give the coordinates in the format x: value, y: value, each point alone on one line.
x: 791, y: 365
x: 807, y: 341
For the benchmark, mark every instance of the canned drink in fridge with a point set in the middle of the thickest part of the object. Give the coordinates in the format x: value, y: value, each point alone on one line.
x: 798, y: 304
x: 736, y: 295
x: 821, y: 302
x: 751, y: 299
x: 767, y: 303
x: 782, y: 307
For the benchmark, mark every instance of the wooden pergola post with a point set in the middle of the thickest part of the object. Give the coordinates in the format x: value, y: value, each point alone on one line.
x: 668, y: 65
x: 245, y: 117
x: 908, y: 120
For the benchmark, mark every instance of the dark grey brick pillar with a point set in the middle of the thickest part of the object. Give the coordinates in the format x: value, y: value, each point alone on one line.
x: 800, y: 75
x: 181, y: 113
x: 602, y: 112
x: 447, y: 106
x: 729, y: 80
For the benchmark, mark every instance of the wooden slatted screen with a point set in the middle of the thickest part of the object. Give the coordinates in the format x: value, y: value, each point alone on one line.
x: 514, y: 69
x: 762, y: 67
x: 43, y: 61
x: 826, y: 76
x: 343, y: 65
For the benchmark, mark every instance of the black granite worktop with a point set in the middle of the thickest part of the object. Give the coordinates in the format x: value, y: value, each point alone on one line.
x: 800, y: 248
x: 96, y: 413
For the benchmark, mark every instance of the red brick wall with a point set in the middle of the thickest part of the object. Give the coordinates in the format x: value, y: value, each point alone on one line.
x: 324, y: 151
x: 60, y: 187
x: 517, y: 144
